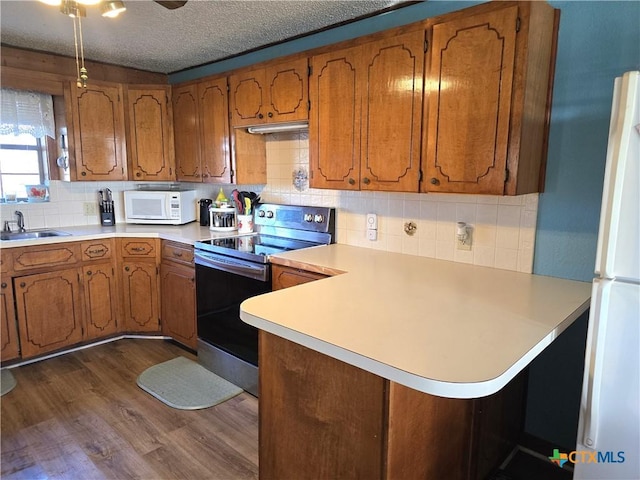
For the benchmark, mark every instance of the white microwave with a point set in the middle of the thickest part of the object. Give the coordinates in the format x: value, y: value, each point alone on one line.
x: 171, y: 207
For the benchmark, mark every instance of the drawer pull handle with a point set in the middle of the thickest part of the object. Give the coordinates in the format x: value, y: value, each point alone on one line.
x: 138, y: 249
x: 177, y: 254
x: 95, y: 252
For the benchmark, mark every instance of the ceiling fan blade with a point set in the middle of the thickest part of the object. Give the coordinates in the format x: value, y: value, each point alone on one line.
x: 170, y: 5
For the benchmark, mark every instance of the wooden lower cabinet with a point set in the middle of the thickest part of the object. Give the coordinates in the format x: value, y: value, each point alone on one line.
x: 49, y: 308
x: 178, y: 298
x: 140, y: 296
x: 139, y: 271
x: 100, y: 300
x: 285, y: 277
x: 323, y: 418
x: 9, y: 342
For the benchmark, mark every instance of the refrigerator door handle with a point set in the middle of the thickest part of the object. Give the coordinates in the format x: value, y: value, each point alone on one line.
x: 595, y: 361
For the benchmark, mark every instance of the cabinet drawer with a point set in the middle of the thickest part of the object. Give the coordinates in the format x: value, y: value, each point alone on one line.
x: 31, y: 258
x: 177, y: 252
x: 285, y: 277
x: 96, y: 250
x: 138, y: 247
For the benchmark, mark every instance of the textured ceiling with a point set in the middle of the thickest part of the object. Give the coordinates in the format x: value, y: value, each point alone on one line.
x: 150, y: 37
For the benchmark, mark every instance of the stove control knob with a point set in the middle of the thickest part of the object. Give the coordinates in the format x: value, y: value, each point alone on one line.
x: 269, y: 214
x: 261, y: 213
x: 319, y: 218
x: 308, y: 217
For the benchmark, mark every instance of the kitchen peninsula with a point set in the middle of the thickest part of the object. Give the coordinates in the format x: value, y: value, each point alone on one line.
x: 413, y: 359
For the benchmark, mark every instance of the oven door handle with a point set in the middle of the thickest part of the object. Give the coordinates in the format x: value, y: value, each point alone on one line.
x: 230, y: 265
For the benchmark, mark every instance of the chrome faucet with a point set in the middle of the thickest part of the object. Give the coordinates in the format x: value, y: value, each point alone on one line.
x: 20, y: 222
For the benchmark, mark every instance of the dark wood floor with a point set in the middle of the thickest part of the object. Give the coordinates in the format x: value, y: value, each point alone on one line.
x: 81, y: 415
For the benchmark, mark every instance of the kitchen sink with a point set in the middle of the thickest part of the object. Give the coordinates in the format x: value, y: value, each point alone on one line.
x: 32, y: 234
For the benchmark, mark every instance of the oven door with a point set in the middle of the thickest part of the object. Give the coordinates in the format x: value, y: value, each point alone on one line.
x: 222, y: 284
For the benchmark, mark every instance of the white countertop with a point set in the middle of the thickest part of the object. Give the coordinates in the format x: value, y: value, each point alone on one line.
x: 189, y: 233
x: 440, y: 327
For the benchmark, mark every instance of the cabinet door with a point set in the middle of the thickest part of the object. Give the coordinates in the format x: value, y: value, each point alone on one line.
x: 186, y: 128
x: 150, y: 128
x: 472, y: 65
x: 9, y: 344
x: 287, y: 86
x: 334, y: 120
x: 100, y: 297
x: 49, y: 311
x: 248, y: 97
x: 392, y: 113
x: 140, y: 296
x: 98, y: 132
x: 178, y: 294
x: 214, y: 131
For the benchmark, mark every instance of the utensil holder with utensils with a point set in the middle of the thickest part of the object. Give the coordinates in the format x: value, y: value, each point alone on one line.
x: 222, y: 219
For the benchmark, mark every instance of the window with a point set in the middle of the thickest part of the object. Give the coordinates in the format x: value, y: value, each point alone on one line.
x: 21, y: 164
x: 26, y: 118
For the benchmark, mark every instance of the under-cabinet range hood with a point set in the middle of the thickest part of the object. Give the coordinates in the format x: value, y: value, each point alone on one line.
x: 278, y: 127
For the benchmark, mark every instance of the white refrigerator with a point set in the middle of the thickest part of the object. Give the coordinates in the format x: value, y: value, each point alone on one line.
x: 608, y: 443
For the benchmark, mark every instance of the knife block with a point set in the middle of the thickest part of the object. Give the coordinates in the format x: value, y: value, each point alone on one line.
x: 107, y: 219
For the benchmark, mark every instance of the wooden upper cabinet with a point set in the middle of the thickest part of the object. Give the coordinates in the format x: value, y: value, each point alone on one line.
x: 186, y: 127
x: 275, y: 93
x: 150, y: 133
x: 214, y: 131
x: 334, y: 120
x: 366, y: 115
x: 487, y: 109
x: 99, y: 147
x: 392, y: 113
x: 201, y: 126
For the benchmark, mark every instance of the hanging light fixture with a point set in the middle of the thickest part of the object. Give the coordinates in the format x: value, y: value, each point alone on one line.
x: 112, y: 9
x: 76, y: 10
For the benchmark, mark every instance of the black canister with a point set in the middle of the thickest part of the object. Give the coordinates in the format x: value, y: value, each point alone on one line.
x: 205, y: 203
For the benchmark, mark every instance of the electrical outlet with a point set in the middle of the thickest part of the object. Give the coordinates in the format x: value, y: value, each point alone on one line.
x: 90, y: 208
x: 463, y: 236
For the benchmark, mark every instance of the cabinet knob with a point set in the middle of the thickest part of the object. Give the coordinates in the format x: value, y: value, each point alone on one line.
x: 270, y: 114
x: 260, y: 116
x: 84, y: 174
x: 126, y: 269
x: 22, y: 284
x: 205, y: 175
x: 4, y: 285
x: 366, y: 181
x: 435, y: 181
x: 138, y: 174
x: 177, y: 254
x: 89, y: 272
x: 352, y: 181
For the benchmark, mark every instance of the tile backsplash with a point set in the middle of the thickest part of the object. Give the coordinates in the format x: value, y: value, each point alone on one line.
x: 503, y: 228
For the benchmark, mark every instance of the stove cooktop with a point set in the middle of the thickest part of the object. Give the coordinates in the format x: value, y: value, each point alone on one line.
x: 254, y: 247
x: 279, y: 228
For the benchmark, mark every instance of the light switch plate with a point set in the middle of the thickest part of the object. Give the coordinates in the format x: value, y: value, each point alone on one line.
x: 372, y: 221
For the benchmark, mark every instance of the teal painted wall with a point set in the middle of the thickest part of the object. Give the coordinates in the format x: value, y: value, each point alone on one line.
x: 598, y: 41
